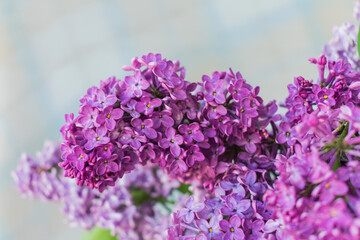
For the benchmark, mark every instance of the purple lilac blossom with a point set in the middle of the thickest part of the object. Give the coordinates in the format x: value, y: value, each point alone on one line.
x: 114, y: 208
x: 316, y: 192
x: 155, y: 115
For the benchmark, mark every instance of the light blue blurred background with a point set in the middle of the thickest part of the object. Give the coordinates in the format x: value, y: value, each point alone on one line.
x: 51, y: 51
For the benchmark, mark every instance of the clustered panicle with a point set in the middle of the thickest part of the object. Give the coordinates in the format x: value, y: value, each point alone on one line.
x: 316, y: 195
x: 190, y: 130
x: 235, y: 210
x: 343, y: 45
x: 299, y: 179
x: 139, y: 203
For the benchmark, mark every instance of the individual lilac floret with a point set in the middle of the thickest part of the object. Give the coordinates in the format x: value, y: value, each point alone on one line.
x: 231, y: 228
x: 134, y: 85
x: 188, y: 213
x: 144, y: 127
x: 109, y: 116
x: 95, y: 139
x: 147, y: 105
x: 88, y: 117
x: 211, y: 228
x: 285, y: 134
x: 191, y: 132
x: 172, y: 140
x: 215, y: 92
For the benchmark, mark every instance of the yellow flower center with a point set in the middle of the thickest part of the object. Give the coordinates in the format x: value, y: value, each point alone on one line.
x: 242, y: 110
x: 190, y: 132
x: 327, y: 185
x: 106, y: 161
x: 172, y: 141
x: 160, y: 116
x: 235, y: 92
x: 81, y: 156
x: 108, y: 116
x: 232, y: 229
x: 148, y: 105
x: 333, y: 213
x: 142, y: 126
x: 325, y: 96
x: 97, y: 139
x: 210, y: 230
x: 132, y: 136
x: 105, y: 148
x: 214, y: 93
x: 287, y: 134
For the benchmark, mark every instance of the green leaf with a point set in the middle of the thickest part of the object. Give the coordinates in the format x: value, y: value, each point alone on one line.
x: 358, y: 41
x: 184, y: 188
x: 139, y: 196
x: 98, y: 234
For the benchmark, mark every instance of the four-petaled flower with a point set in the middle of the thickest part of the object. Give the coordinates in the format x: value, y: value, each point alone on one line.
x: 231, y: 228
x: 215, y: 91
x: 147, y: 105
x: 191, y: 132
x: 109, y: 116
x: 105, y: 165
x: 132, y: 138
x: 172, y: 140
x: 144, y: 127
x: 95, y: 139
x: 188, y: 213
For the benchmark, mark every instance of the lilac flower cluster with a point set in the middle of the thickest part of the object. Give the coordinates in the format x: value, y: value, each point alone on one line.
x: 139, y: 203
x: 234, y: 211
x: 36, y: 177
x: 154, y: 115
x: 316, y: 195
x: 343, y: 45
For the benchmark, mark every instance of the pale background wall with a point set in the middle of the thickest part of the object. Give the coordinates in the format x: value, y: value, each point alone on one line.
x: 51, y: 51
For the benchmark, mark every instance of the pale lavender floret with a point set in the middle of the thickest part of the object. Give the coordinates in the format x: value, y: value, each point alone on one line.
x: 88, y: 116
x: 255, y: 188
x: 134, y: 86
x: 167, y: 75
x: 216, y: 110
x: 132, y: 138
x: 235, y: 206
x: 188, y: 213
x: 215, y: 92
x: 231, y: 228
x: 285, y: 135
x: 234, y: 186
x: 103, y: 101
x: 130, y: 108
x: 95, y: 139
x: 211, y: 228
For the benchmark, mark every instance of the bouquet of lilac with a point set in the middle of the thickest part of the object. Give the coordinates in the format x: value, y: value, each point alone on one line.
x: 154, y: 156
